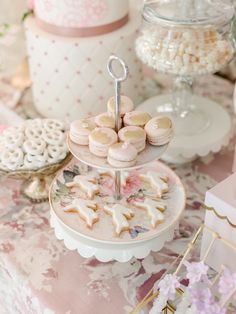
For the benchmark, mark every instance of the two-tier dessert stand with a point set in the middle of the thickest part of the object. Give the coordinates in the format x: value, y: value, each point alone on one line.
x: 100, y: 241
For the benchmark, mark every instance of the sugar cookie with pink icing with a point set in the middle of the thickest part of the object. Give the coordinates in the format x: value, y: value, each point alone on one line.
x: 122, y: 155
x: 100, y: 140
x: 154, y: 210
x: 126, y: 105
x: 120, y: 216
x: 88, y: 184
x: 86, y: 210
x: 133, y: 135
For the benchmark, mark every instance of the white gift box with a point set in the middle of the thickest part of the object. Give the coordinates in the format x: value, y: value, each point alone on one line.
x: 221, y: 217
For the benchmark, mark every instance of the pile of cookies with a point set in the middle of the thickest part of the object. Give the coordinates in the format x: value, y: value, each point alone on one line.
x: 88, y: 208
x: 121, y: 149
x: 32, y: 145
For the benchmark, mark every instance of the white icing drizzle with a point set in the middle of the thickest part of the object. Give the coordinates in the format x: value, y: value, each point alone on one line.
x: 119, y: 214
x: 159, y: 182
x: 154, y: 210
x: 86, y: 183
x: 86, y: 210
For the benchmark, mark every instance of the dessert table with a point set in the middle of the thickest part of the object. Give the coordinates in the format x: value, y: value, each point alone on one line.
x: 39, y: 275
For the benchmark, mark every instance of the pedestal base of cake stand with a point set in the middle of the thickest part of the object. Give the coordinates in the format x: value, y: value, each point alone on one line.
x: 204, y: 129
x: 105, y: 252
x: 36, y: 181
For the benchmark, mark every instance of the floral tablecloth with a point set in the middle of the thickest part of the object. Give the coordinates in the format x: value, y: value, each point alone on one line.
x: 39, y: 275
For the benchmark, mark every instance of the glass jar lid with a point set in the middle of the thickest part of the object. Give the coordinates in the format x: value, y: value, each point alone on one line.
x: 188, y: 12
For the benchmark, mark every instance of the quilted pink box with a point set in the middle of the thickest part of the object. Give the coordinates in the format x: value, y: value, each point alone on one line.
x: 221, y: 217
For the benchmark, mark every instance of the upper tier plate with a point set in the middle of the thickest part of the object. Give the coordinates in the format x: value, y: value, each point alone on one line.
x: 82, y: 153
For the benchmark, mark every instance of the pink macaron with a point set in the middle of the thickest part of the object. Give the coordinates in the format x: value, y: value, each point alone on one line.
x: 106, y: 120
x: 100, y: 139
x: 80, y: 130
x: 122, y: 155
x: 133, y: 135
x: 136, y: 118
x: 159, y: 130
x: 127, y: 105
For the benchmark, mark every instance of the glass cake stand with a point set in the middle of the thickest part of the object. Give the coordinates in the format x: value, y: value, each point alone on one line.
x: 100, y: 240
x: 187, y: 38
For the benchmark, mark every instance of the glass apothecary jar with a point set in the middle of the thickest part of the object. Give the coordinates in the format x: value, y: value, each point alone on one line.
x: 186, y: 38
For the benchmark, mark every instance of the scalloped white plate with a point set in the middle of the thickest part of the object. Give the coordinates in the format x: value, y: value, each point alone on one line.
x: 83, y: 154
x: 100, y: 241
x: 106, y: 253
x: 184, y: 148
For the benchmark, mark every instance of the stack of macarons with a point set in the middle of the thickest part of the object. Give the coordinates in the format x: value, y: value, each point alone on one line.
x: 159, y: 131
x: 121, y: 149
x: 80, y: 130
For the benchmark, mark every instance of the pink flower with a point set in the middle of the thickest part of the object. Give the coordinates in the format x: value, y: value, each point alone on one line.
x: 30, y: 4
x: 196, y: 271
x: 213, y: 309
x: 201, y: 296
x: 204, y: 301
x: 168, y: 286
x: 227, y: 283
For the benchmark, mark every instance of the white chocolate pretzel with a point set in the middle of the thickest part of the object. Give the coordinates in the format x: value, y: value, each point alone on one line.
x: 35, y: 161
x: 86, y: 183
x: 86, y: 210
x: 12, y: 158
x: 41, y: 142
x: 34, y: 132
x: 54, y: 137
x: 154, y: 210
x: 34, y: 147
x: 120, y: 215
x: 13, y: 140
x: 57, y: 151
x: 158, y: 182
x: 53, y: 124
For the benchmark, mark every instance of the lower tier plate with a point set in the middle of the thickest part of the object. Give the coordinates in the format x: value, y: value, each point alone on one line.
x: 100, y: 240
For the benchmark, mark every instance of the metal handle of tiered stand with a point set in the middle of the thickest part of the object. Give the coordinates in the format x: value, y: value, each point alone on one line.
x: 117, y: 81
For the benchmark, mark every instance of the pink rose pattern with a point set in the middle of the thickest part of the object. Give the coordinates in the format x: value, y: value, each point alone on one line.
x: 72, y: 13
x: 39, y: 275
x: 83, y: 13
